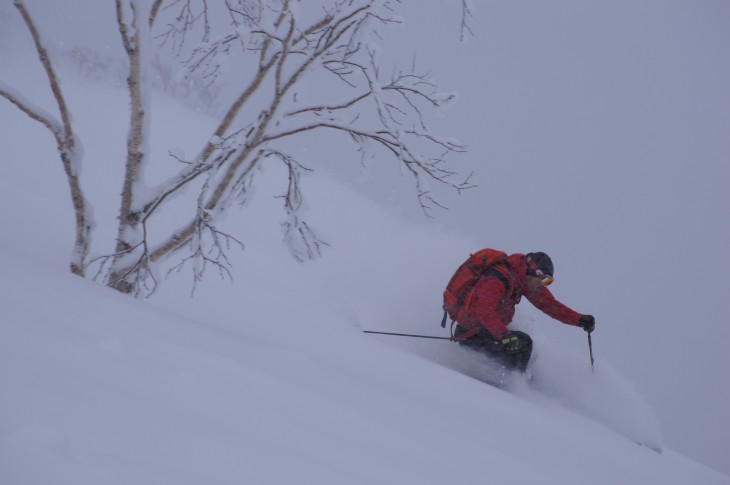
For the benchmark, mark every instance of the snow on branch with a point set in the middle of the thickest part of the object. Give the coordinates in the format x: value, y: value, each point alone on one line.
x: 69, y: 148
x: 275, y: 47
x: 50, y: 72
x: 400, y: 126
x: 183, y: 21
x: 34, y: 112
x: 302, y: 241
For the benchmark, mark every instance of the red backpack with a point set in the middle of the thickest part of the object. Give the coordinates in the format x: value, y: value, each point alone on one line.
x: 458, y: 291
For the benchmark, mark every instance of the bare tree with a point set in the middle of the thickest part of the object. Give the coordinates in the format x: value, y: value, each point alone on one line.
x: 281, y: 46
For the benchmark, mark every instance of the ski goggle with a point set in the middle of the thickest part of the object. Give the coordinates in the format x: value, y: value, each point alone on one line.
x: 545, y: 279
x: 533, y: 270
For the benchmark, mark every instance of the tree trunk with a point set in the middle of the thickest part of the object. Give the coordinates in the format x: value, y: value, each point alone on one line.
x: 129, y: 237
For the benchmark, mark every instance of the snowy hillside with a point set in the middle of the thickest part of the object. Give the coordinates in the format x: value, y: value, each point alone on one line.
x: 278, y: 385
x: 269, y: 378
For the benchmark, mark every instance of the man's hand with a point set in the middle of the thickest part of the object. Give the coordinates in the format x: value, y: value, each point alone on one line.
x: 587, y: 323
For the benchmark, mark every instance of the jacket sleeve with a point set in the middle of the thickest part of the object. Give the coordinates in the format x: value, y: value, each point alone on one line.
x: 544, y: 300
x: 482, y: 306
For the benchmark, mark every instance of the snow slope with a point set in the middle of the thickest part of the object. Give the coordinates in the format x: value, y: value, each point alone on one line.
x: 274, y: 385
x: 270, y: 380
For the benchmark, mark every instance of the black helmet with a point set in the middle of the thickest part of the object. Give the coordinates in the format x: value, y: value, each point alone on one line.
x: 539, y: 261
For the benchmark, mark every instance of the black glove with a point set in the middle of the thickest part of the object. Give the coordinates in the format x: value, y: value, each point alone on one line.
x: 587, y: 323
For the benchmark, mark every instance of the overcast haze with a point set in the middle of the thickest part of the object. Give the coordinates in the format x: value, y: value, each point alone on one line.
x: 598, y: 133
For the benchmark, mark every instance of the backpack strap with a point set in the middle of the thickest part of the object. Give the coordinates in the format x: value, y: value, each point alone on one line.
x: 502, y: 272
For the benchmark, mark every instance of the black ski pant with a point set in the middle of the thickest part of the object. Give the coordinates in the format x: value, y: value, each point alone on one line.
x: 515, y: 356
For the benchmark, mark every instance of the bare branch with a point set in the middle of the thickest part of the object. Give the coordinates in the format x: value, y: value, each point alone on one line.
x: 343, y: 105
x: 33, y: 112
x: 394, y: 142
x: 302, y: 240
x: 182, y: 24
x: 154, y: 11
x: 282, y: 53
x: 466, y: 15
x: 231, y: 174
x: 50, y: 73
x: 208, y: 247
x: 65, y: 140
x: 137, y: 278
x: 282, y: 58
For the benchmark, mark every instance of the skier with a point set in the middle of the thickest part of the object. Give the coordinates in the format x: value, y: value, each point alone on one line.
x: 486, y: 305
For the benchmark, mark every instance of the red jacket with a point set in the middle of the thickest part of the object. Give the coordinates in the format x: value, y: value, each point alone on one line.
x: 491, y: 307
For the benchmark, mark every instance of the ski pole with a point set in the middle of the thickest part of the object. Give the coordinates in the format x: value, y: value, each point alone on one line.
x: 411, y: 335
x: 590, y: 349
